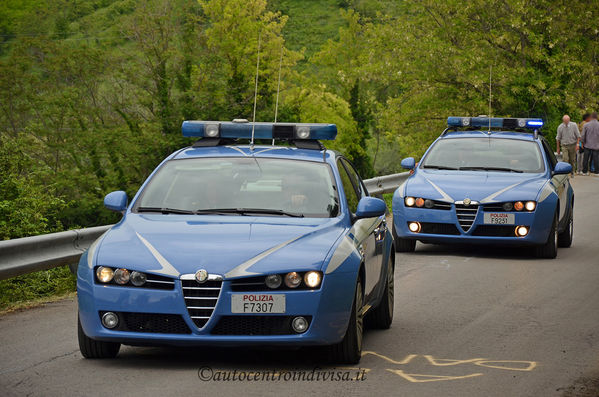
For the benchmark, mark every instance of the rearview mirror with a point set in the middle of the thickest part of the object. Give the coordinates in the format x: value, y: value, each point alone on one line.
x: 370, y: 207
x: 408, y: 163
x: 562, y: 168
x: 116, y: 201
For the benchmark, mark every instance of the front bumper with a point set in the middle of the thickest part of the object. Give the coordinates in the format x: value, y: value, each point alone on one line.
x: 328, y: 308
x: 445, y: 227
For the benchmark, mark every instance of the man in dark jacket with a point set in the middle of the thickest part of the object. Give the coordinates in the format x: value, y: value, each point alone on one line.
x: 590, y: 141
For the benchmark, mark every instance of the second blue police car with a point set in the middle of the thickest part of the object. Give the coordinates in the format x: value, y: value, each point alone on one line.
x: 230, y: 244
x: 486, y: 180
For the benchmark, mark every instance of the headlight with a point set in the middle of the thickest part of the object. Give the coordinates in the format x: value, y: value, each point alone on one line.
x: 312, y: 279
x: 518, y: 206
x: 293, y: 279
x: 508, y: 206
x: 138, y: 279
x: 429, y: 203
x: 530, y: 205
x: 419, y: 202
x: 121, y: 276
x: 273, y: 281
x: 410, y: 201
x: 104, y: 274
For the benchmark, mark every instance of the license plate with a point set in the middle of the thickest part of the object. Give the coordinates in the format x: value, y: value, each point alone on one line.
x: 257, y: 303
x: 499, y: 218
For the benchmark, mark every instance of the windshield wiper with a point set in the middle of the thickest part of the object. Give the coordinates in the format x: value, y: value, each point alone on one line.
x: 164, y: 210
x: 245, y: 211
x: 439, y: 167
x: 490, y: 169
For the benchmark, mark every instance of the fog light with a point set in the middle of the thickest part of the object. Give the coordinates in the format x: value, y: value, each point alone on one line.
x: 121, y: 276
x: 104, y: 274
x: 293, y: 280
x: 410, y: 201
x: 273, y: 281
x: 110, y: 320
x: 518, y: 205
x: 508, y: 206
x: 530, y: 206
x: 299, y: 324
x: 521, y: 231
x: 312, y: 279
x: 138, y: 279
x: 419, y: 202
x: 414, y: 227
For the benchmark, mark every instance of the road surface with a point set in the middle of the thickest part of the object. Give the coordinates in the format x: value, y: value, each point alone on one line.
x: 468, y: 322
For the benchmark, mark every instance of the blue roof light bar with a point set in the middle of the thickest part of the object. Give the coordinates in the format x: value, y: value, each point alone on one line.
x: 243, y: 130
x: 494, y: 122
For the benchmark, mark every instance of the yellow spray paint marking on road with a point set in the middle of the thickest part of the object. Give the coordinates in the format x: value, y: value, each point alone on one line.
x: 506, y: 365
x: 419, y: 378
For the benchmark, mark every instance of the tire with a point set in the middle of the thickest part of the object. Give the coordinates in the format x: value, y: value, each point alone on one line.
x: 403, y: 244
x: 564, y: 239
x: 549, y: 249
x: 382, y: 316
x: 349, y: 350
x: 91, y: 348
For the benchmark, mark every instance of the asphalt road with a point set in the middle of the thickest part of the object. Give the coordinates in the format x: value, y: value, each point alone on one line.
x: 468, y: 322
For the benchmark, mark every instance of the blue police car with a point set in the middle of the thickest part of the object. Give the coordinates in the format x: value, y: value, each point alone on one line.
x: 230, y: 244
x: 486, y: 180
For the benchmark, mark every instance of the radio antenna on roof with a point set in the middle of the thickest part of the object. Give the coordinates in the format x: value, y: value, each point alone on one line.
x: 490, y: 95
x: 255, y: 93
x: 278, y: 88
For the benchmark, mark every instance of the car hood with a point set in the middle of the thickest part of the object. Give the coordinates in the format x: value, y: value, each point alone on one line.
x: 484, y: 187
x: 232, y: 246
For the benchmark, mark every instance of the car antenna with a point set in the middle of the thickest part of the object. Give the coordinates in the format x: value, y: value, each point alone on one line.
x: 278, y: 89
x: 490, y: 96
x: 255, y: 93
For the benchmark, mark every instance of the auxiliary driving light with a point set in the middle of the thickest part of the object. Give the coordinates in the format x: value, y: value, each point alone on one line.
x: 312, y: 279
x: 138, y: 278
x: 273, y: 281
x: 110, y: 320
x: 299, y: 324
x: 293, y: 279
x: 414, y: 227
x: 104, y: 274
x: 410, y: 201
x: 518, y: 206
x: 530, y: 205
x: 521, y: 231
x: 121, y: 276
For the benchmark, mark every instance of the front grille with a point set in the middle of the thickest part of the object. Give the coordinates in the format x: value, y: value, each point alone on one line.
x: 439, y: 228
x: 466, y: 215
x: 495, y: 231
x: 151, y: 323
x: 201, y: 299
x: 255, y: 325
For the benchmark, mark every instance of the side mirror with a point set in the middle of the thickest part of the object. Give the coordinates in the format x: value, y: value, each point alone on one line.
x: 408, y: 163
x: 562, y: 168
x: 116, y: 201
x: 370, y: 207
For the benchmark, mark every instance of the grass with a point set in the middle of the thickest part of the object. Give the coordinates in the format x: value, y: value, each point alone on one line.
x: 36, y: 288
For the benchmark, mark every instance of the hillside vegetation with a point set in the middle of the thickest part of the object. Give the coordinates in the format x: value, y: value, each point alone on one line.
x: 93, y: 92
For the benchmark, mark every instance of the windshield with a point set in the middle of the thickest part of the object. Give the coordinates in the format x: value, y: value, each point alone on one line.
x: 244, y: 186
x: 485, y: 154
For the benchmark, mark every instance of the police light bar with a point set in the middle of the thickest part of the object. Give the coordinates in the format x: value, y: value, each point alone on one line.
x: 494, y: 122
x: 242, y: 129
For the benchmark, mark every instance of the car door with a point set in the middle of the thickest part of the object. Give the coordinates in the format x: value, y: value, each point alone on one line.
x: 559, y: 183
x: 364, y: 230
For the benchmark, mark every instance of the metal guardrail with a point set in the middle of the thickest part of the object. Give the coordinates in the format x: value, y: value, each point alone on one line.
x: 30, y: 254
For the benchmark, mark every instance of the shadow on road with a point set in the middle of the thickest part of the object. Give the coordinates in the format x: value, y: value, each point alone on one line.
x: 478, y: 251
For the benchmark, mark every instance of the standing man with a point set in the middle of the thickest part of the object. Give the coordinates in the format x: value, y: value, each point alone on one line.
x: 590, y: 140
x: 567, y: 139
x: 580, y: 149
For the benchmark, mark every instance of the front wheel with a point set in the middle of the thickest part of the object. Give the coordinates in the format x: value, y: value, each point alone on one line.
x: 91, y: 348
x: 349, y: 350
x: 549, y: 249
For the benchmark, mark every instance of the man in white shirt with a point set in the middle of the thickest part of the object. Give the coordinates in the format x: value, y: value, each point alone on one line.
x: 567, y: 140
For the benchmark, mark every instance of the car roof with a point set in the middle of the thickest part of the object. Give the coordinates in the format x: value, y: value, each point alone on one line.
x: 524, y: 136
x: 282, y: 152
